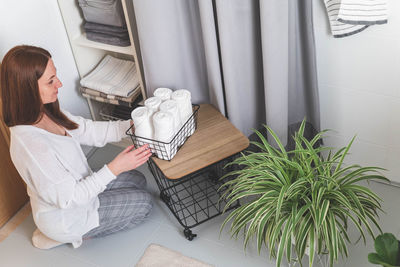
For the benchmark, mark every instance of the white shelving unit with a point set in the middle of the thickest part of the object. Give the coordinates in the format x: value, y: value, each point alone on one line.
x: 88, y: 54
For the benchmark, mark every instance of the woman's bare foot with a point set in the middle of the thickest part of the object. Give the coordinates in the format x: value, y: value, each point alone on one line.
x: 41, y: 241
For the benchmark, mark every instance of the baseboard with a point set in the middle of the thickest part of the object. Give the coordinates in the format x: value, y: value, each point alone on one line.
x: 16, y: 220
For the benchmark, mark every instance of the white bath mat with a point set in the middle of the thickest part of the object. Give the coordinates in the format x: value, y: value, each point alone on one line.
x: 159, y: 256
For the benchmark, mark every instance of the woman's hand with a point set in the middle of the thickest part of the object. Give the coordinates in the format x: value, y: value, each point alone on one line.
x: 129, y: 159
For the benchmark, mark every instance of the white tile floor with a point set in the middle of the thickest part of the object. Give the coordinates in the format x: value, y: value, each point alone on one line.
x: 126, y: 248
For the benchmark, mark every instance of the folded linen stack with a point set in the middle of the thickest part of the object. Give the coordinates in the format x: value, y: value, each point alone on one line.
x: 105, y: 22
x: 107, y: 34
x: 113, y: 77
x: 131, y: 101
x: 348, y: 17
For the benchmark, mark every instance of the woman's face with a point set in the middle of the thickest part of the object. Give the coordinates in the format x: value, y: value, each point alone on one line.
x: 49, y: 84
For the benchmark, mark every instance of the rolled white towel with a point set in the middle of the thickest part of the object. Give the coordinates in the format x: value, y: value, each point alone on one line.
x: 171, y: 106
x: 163, y: 93
x: 143, y: 125
x: 153, y: 104
x: 183, y: 98
x: 164, y: 131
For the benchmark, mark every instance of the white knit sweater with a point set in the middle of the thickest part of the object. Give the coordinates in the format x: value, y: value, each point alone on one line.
x: 62, y: 188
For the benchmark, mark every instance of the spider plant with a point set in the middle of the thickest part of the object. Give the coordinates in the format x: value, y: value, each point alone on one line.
x: 300, y: 197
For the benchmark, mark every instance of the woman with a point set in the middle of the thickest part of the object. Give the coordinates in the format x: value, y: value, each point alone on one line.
x: 69, y: 201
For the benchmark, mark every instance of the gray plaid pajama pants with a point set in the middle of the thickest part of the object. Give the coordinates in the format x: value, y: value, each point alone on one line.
x: 123, y: 204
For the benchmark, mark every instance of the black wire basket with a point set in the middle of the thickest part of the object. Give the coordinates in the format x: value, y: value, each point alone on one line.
x: 167, y: 151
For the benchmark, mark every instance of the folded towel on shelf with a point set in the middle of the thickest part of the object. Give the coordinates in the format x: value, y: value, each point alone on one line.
x: 107, y: 34
x: 120, y: 32
x: 108, y: 12
x: 131, y: 101
x: 133, y: 104
x: 107, y: 39
x: 123, y: 36
x: 348, y: 17
x: 153, y: 104
x: 113, y: 76
x: 97, y: 27
x: 164, y: 131
x: 163, y: 93
x: 184, y: 99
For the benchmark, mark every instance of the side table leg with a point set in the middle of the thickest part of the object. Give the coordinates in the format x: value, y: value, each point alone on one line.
x: 188, y: 234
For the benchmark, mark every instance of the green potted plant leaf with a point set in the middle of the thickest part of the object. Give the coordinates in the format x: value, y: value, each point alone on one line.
x: 387, y: 251
x: 300, y: 197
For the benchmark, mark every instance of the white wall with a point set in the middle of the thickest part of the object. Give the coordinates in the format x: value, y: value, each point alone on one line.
x: 40, y: 23
x: 359, y: 84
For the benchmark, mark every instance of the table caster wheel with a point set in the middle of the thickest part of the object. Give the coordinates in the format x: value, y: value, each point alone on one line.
x: 188, y: 234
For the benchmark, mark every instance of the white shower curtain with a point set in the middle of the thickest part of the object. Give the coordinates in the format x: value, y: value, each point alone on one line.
x: 253, y: 60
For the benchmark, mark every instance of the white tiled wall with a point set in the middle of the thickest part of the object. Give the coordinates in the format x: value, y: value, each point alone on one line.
x: 359, y: 85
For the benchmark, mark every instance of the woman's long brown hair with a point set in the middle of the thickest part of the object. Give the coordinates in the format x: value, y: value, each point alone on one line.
x: 21, y: 69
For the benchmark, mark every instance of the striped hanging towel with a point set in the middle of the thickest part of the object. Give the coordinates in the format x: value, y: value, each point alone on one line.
x: 348, y: 17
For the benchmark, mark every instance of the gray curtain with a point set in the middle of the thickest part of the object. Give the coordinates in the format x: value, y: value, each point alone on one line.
x: 254, y: 60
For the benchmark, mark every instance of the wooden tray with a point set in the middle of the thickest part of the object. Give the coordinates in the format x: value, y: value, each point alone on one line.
x: 214, y: 139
